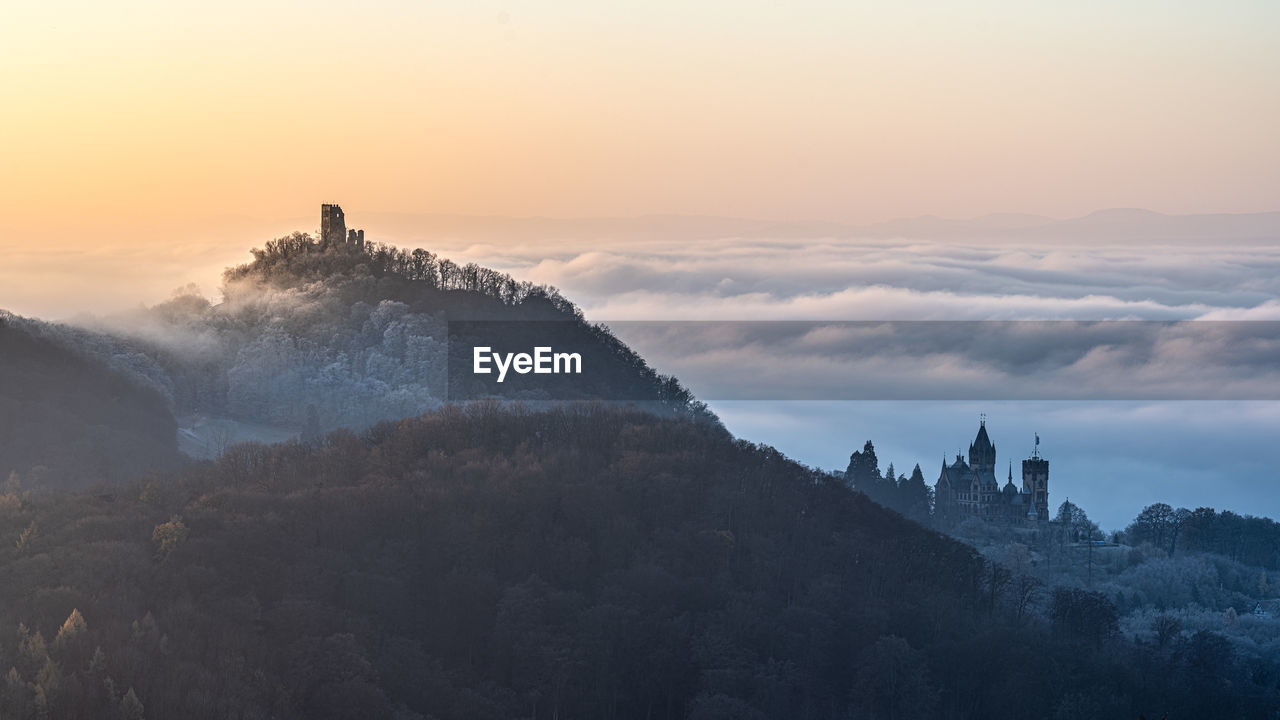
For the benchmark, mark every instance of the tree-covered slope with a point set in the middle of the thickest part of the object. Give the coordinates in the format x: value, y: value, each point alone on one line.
x: 489, y: 562
x: 67, y: 419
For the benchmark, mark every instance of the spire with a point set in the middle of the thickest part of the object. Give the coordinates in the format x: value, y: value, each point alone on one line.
x: 1010, y: 471
x: 982, y: 453
x: 983, y: 441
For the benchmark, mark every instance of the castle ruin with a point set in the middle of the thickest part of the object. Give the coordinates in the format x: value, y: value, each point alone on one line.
x: 333, y: 229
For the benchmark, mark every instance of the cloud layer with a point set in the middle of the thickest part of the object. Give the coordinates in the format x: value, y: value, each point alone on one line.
x: 798, y: 294
x: 735, y: 279
x: 774, y: 313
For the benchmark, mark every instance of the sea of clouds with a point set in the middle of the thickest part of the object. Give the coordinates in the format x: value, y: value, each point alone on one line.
x: 1136, y: 409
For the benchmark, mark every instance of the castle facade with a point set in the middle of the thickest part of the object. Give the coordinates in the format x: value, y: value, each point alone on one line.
x: 970, y: 489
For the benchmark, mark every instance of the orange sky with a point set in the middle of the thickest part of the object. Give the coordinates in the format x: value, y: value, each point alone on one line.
x: 132, y: 114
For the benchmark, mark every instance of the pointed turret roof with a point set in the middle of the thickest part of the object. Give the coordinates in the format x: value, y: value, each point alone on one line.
x: 982, y: 443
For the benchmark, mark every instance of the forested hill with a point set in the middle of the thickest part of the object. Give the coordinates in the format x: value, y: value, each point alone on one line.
x: 307, y: 339
x: 492, y: 562
x: 328, y: 337
x: 67, y: 419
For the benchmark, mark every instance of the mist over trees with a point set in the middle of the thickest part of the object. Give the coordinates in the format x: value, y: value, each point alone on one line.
x: 307, y: 338
x: 345, y: 337
x: 68, y: 420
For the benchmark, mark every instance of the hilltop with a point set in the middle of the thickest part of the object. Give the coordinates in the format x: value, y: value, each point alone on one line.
x: 336, y: 335
x: 310, y: 336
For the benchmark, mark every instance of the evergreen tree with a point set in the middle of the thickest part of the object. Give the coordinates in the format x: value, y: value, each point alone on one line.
x: 864, y: 469
x: 131, y: 707
x: 915, y: 496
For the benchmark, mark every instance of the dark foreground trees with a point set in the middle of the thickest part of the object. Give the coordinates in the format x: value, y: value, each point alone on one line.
x: 483, y: 562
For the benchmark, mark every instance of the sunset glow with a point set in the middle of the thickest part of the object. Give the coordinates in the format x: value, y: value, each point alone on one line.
x: 136, y: 113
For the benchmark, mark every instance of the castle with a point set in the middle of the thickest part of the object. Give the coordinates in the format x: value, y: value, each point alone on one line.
x: 971, y: 489
x: 333, y: 229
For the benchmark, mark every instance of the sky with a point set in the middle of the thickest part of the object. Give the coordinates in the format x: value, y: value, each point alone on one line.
x: 125, y: 116
x: 147, y: 145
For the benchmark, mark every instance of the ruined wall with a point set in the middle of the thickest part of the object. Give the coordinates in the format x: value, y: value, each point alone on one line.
x: 333, y: 225
x: 333, y: 229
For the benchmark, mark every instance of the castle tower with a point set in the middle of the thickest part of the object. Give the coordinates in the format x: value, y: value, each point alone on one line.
x: 333, y: 225
x: 982, y: 453
x: 1035, y: 482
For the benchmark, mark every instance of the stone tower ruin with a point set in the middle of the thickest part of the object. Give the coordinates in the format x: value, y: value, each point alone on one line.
x: 333, y: 229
